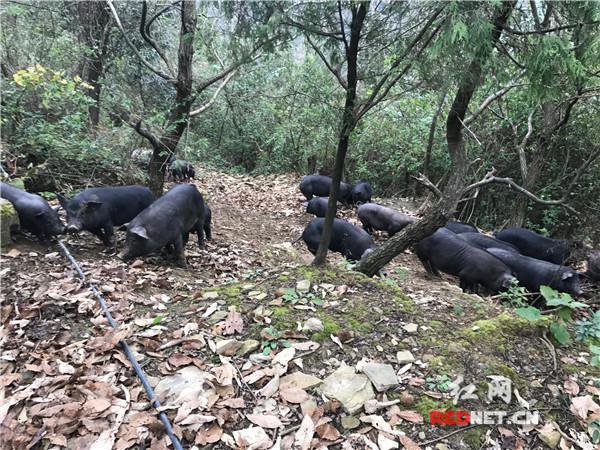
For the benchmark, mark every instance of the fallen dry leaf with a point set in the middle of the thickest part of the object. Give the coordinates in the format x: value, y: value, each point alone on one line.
x: 264, y: 420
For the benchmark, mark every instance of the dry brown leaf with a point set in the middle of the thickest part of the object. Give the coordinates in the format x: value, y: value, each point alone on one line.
x: 264, y: 420
x: 571, y: 387
x: 327, y: 431
x: 408, y: 443
x: 179, y: 360
x: 209, y: 435
x: 234, y: 323
x: 293, y: 395
x: 581, y: 406
x: 304, y: 435
x: 96, y: 405
x: 410, y: 416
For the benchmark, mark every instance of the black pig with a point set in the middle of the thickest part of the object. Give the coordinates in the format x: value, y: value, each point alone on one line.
x: 533, y: 273
x: 361, y: 192
x: 484, y: 241
x: 181, y: 170
x: 381, y: 218
x: 460, y: 227
x: 350, y: 241
x: 317, y: 206
x: 535, y: 245
x: 35, y: 214
x: 320, y: 185
x: 99, y: 210
x: 167, y: 222
x: 445, y: 251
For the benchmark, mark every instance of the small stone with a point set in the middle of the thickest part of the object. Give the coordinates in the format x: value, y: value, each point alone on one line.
x: 313, y: 324
x: 300, y: 380
x: 442, y: 447
x: 382, y: 376
x: 210, y: 294
x: 350, y: 422
x: 228, y: 347
x: 385, y: 443
x: 475, y: 328
x: 407, y: 399
x: 350, y: 388
x: 428, y: 357
x: 411, y: 328
x: 303, y: 286
x: 247, y: 346
x: 404, y: 357
x: 280, y: 292
x: 550, y: 438
x: 421, y: 435
x: 247, y: 287
x: 379, y: 348
x: 536, y: 384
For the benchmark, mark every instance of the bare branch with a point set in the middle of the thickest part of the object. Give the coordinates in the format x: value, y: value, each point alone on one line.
x: 549, y: 30
x: 377, y: 96
x: 580, y: 172
x: 214, y: 96
x: 534, y: 12
x: 145, y: 133
x: 292, y: 23
x: 339, y: 4
x: 428, y: 184
x: 335, y: 72
x: 135, y: 50
x: 490, y: 178
x: 523, y: 144
x: 489, y: 100
x: 145, y: 32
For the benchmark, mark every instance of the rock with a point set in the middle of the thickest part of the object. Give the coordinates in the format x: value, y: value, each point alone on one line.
x: 9, y: 220
x: 247, y: 346
x: 313, y: 324
x: 404, y: 357
x: 549, y: 436
x: 350, y: 422
x: 228, y: 347
x: 303, y: 286
x: 350, y: 388
x: 210, y: 294
x: 407, y: 399
x: 411, y: 328
x: 382, y: 376
x: 300, y: 380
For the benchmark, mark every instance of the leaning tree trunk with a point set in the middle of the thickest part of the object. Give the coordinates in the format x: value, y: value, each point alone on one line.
x: 453, y: 190
x: 348, y: 123
x: 177, y: 118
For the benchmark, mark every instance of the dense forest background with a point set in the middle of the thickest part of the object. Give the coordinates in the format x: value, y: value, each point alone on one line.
x: 91, y: 89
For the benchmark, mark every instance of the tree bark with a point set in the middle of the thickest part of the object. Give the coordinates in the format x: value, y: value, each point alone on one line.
x: 177, y: 118
x: 348, y: 123
x: 94, y: 20
x: 452, y: 193
x: 430, y: 138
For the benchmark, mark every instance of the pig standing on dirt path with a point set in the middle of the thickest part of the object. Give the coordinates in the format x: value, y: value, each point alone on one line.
x: 445, y: 251
x: 167, y: 222
x: 320, y: 186
x: 317, y: 206
x: 533, y: 273
x: 99, y: 210
x: 350, y: 241
x: 380, y: 218
x: 35, y: 214
x: 361, y: 192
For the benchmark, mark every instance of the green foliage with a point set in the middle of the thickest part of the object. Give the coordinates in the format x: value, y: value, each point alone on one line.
x: 563, y: 304
x: 588, y: 328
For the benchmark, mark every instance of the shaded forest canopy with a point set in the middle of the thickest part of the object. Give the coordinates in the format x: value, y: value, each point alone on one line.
x: 261, y: 87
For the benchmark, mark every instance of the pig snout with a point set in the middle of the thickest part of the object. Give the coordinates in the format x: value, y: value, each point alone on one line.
x: 73, y: 228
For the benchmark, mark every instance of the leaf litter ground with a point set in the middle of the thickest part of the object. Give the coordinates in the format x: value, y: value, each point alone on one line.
x: 238, y: 345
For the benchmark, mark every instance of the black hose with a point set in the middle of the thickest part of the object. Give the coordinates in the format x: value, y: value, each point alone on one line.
x: 136, y: 366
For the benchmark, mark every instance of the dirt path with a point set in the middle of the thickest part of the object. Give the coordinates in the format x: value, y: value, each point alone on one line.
x: 63, y: 384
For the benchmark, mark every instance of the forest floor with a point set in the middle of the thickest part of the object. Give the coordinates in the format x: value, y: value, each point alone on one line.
x: 225, y: 340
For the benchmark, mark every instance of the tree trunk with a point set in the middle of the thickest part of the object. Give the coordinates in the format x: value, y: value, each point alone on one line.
x: 177, y: 118
x: 430, y: 139
x: 446, y: 206
x: 348, y: 123
x: 94, y: 19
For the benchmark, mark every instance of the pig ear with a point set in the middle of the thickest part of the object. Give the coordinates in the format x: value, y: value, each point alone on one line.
x: 93, y: 204
x: 139, y: 231
x: 62, y: 200
x: 566, y: 275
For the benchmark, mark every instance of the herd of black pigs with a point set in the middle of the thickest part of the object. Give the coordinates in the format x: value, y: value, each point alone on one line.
x: 151, y: 224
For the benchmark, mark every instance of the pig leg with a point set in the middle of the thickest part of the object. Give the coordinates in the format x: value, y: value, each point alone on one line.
x: 178, y: 251
x: 109, y: 235
x: 200, y: 233
x: 207, y: 230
